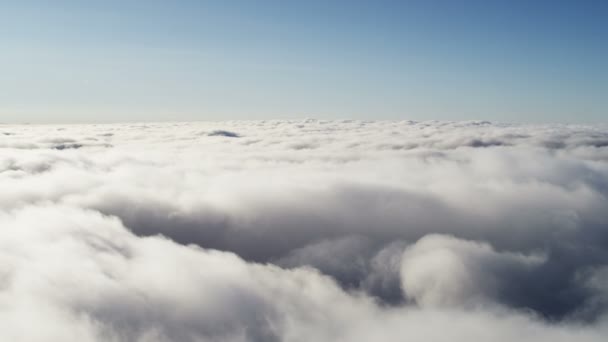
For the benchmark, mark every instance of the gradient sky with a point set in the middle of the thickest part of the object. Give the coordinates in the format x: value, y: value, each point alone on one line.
x: 98, y: 61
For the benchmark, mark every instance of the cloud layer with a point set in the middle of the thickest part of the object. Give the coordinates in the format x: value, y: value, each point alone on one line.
x: 303, y: 230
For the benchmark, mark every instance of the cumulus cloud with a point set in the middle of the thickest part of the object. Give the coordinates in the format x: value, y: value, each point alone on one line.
x: 445, y: 271
x: 303, y: 230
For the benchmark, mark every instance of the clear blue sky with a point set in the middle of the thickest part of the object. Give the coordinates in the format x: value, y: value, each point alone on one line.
x: 512, y: 60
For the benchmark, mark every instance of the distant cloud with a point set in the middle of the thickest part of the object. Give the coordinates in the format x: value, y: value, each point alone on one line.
x: 304, y: 230
x: 223, y: 133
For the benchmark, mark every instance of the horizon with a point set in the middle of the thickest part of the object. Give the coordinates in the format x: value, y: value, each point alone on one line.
x: 305, y: 119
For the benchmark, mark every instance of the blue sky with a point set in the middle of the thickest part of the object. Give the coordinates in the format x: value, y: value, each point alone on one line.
x: 97, y: 61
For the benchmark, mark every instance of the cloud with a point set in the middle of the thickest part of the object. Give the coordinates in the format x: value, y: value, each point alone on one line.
x: 304, y: 230
x: 445, y: 271
x: 223, y: 133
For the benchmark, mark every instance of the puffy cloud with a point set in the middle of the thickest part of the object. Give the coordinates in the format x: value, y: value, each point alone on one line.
x: 303, y: 230
x: 445, y: 271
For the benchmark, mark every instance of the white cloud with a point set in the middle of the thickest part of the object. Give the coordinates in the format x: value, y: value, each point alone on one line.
x: 299, y: 231
x: 445, y: 271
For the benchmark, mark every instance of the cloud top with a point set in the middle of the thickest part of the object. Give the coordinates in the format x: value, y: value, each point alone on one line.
x: 303, y: 230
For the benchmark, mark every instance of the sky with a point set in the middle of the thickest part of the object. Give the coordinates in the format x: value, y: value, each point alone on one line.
x: 107, y: 61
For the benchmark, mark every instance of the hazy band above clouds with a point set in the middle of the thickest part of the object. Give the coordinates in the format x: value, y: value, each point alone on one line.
x: 303, y: 230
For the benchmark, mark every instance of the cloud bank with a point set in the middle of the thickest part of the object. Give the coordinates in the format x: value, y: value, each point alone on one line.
x: 303, y: 230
